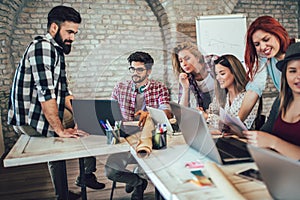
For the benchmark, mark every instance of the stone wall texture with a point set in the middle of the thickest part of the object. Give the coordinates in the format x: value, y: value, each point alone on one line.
x: 112, y: 29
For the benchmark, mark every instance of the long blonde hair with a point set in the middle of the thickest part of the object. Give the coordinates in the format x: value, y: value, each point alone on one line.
x: 192, y: 48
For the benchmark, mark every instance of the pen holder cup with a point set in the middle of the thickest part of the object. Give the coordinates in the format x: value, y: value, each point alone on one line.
x: 159, y: 140
x: 111, y: 138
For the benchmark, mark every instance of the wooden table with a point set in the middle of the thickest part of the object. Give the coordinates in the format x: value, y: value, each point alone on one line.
x: 166, y: 169
x: 32, y: 150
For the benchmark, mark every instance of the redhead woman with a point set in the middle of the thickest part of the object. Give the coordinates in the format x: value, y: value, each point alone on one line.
x: 282, y: 129
x: 193, y: 74
x: 266, y: 44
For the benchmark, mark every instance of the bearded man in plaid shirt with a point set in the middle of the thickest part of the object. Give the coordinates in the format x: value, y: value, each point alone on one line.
x: 133, y: 96
x: 39, y: 103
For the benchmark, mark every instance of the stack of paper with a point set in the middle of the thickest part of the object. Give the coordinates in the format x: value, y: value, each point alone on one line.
x: 235, y: 124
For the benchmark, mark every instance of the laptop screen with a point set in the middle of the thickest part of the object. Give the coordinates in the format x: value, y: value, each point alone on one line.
x: 280, y: 174
x: 159, y: 116
x: 88, y: 113
x: 195, y: 131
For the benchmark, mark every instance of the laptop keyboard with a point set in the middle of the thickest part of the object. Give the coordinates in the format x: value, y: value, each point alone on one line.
x: 231, y: 147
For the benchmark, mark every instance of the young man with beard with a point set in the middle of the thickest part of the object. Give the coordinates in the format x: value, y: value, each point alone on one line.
x: 133, y: 97
x: 40, y: 99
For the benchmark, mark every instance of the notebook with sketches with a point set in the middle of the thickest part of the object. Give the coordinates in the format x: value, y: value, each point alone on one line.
x: 159, y: 116
x: 196, y: 134
x: 89, y: 112
x: 280, y: 174
x: 233, y: 122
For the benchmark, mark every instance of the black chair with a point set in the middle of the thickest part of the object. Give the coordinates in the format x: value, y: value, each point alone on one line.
x: 114, y: 185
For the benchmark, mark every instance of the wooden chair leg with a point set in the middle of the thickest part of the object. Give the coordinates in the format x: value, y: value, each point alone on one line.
x: 114, y: 183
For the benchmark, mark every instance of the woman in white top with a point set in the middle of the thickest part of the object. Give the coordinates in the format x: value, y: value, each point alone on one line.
x: 230, y: 84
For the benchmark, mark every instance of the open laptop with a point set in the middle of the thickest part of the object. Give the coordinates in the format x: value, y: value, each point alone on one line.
x: 88, y: 113
x: 280, y: 174
x: 197, y: 135
x: 176, y: 110
x: 159, y: 116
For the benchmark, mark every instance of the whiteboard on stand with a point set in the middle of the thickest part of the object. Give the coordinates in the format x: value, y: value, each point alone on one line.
x: 222, y: 34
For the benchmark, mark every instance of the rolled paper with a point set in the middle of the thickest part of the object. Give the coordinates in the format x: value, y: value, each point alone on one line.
x: 133, y: 139
x: 144, y: 146
x: 220, y: 179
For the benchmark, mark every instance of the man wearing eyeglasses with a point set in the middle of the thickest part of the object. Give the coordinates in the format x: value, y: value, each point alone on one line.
x: 133, y: 96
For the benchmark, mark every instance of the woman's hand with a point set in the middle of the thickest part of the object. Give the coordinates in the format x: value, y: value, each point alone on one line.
x: 183, y: 80
x: 260, y: 139
x: 205, y: 115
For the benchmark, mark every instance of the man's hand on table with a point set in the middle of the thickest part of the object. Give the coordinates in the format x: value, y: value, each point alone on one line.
x: 143, y: 116
x: 72, y: 133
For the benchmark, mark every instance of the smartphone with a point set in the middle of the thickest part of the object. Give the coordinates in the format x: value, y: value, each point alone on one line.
x: 250, y: 174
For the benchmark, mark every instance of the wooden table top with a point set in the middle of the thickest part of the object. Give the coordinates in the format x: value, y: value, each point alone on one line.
x: 166, y: 169
x: 32, y: 150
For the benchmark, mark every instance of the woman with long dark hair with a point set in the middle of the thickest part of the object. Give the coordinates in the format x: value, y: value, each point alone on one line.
x: 281, y: 132
x: 230, y: 83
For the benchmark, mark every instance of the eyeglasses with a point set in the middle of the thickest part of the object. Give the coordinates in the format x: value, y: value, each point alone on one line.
x: 138, y: 70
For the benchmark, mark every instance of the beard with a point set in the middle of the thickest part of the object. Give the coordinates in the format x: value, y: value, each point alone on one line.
x: 138, y: 79
x: 60, y: 42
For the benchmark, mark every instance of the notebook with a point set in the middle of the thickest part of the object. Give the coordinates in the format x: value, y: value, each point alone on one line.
x: 197, y: 135
x: 159, y: 116
x: 89, y: 112
x: 280, y: 174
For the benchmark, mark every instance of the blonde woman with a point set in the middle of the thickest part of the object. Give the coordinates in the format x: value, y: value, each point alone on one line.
x: 193, y: 72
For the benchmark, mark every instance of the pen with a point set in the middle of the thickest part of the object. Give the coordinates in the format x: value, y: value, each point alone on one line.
x: 103, y: 124
x: 108, y: 125
x: 111, y: 129
x: 118, y: 124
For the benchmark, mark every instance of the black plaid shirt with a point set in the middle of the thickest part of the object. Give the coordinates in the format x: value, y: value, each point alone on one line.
x: 40, y: 76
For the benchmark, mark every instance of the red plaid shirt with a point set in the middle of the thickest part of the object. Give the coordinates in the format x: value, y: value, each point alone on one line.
x: 156, y: 95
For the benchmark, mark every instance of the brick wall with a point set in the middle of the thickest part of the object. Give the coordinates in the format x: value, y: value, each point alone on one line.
x: 8, y: 12
x: 111, y: 30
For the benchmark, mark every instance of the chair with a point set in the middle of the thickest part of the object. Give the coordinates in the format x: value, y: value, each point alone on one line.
x: 114, y: 184
x: 134, y: 169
